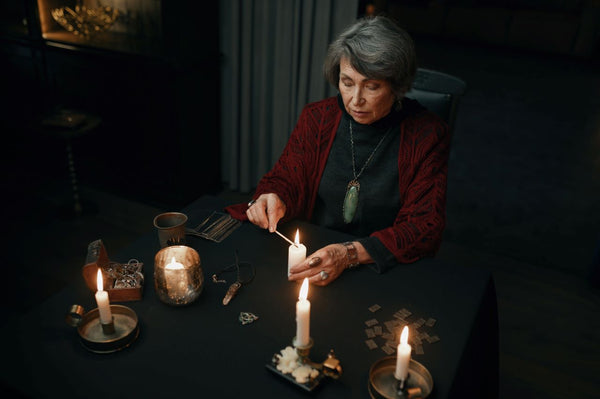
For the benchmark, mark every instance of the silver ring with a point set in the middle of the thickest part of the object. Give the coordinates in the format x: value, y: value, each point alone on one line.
x: 251, y: 203
x: 247, y: 317
x: 324, y: 275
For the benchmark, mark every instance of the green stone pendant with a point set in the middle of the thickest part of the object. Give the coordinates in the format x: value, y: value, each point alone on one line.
x: 351, y: 200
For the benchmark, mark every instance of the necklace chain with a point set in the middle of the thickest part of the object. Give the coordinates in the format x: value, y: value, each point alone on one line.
x: 368, y: 159
x: 237, y: 265
x: 238, y: 283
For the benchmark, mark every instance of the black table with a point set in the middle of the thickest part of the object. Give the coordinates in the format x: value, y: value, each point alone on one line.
x: 202, y: 350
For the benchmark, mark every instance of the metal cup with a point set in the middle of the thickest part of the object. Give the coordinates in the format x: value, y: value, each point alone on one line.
x: 171, y: 228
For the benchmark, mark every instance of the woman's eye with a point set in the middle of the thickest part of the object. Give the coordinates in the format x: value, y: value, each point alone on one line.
x: 372, y: 87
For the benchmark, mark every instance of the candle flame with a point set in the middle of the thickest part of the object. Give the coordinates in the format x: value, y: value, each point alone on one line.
x: 297, y: 239
x: 99, y: 281
x: 174, y: 264
x: 304, y: 290
x: 404, y: 336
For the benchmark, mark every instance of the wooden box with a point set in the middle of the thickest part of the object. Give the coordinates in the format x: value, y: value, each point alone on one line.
x: 123, y: 281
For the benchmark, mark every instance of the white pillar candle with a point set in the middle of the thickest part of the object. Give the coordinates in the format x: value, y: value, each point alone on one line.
x: 303, y: 316
x: 102, y: 301
x: 296, y: 252
x: 403, y: 356
x: 176, y: 279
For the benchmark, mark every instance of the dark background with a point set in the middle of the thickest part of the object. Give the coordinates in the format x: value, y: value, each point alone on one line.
x: 157, y: 97
x: 158, y: 94
x: 523, y: 184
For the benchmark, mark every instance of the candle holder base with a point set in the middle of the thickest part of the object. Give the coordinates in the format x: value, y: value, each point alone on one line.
x: 108, y: 328
x: 303, y: 350
x: 383, y: 384
x: 96, y: 337
x: 330, y: 367
x: 309, y: 386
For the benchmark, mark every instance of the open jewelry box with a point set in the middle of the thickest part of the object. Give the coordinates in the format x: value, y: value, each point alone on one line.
x: 123, y: 281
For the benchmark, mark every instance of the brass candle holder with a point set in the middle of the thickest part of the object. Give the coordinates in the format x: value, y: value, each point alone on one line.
x: 303, y: 350
x: 384, y: 385
x: 108, y: 328
x: 330, y: 367
x: 99, y: 337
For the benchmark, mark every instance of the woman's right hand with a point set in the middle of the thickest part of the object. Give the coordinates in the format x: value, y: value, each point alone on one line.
x: 266, y: 211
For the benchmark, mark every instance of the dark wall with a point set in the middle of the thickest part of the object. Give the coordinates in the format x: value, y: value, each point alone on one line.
x: 565, y: 27
x: 158, y: 138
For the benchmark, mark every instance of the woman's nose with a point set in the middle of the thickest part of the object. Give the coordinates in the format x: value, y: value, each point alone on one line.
x: 357, y: 97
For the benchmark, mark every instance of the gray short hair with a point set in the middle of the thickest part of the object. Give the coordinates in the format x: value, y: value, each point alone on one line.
x: 377, y: 48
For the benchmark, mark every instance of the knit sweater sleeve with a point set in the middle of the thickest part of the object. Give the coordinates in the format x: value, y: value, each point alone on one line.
x: 423, y: 164
x: 295, y: 175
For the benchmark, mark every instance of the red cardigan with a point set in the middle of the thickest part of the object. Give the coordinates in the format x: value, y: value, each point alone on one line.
x: 423, y: 168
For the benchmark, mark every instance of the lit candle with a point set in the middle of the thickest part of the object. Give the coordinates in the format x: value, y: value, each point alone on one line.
x: 296, y: 252
x: 403, y: 356
x: 303, y: 316
x: 176, y: 279
x: 102, y: 301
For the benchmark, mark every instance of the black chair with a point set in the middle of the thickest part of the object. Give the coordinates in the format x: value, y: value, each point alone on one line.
x: 438, y: 92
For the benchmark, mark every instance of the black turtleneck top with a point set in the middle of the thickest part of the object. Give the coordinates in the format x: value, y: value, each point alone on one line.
x: 379, y: 196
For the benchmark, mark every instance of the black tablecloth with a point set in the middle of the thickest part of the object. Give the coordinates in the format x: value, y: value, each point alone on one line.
x: 202, y: 350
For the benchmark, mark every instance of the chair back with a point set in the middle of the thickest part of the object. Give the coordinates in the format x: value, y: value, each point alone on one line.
x: 438, y: 92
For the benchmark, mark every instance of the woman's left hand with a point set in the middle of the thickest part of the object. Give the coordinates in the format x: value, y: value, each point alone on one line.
x: 323, y: 266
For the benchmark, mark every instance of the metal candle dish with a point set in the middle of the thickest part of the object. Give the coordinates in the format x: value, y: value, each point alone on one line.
x: 104, y: 338
x: 178, y: 286
x: 383, y: 384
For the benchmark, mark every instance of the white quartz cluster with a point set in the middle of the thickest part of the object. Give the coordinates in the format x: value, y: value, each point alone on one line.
x: 288, y: 362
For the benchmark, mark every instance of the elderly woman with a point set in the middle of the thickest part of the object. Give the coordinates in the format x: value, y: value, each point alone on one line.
x: 368, y: 162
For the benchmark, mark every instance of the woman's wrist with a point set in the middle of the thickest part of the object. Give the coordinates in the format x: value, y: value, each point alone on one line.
x: 351, y: 255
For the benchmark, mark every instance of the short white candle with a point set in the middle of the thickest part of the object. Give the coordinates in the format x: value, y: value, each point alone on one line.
x: 303, y: 316
x: 176, y: 279
x: 403, y: 356
x: 296, y: 252
x: 102, y: 301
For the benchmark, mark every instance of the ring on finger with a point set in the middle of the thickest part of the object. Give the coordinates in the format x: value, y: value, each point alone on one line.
x: 251, y: 203
x: 324, y: 275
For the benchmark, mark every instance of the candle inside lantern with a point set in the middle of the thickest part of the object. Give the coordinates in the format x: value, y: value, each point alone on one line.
x: 176, y: 279
x: 102, y: 300
x: 303, y: 316
x: 403, y: 356
x: 296, y: 252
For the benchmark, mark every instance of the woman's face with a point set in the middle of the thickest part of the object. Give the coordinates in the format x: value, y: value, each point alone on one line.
x: 366, y: 100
